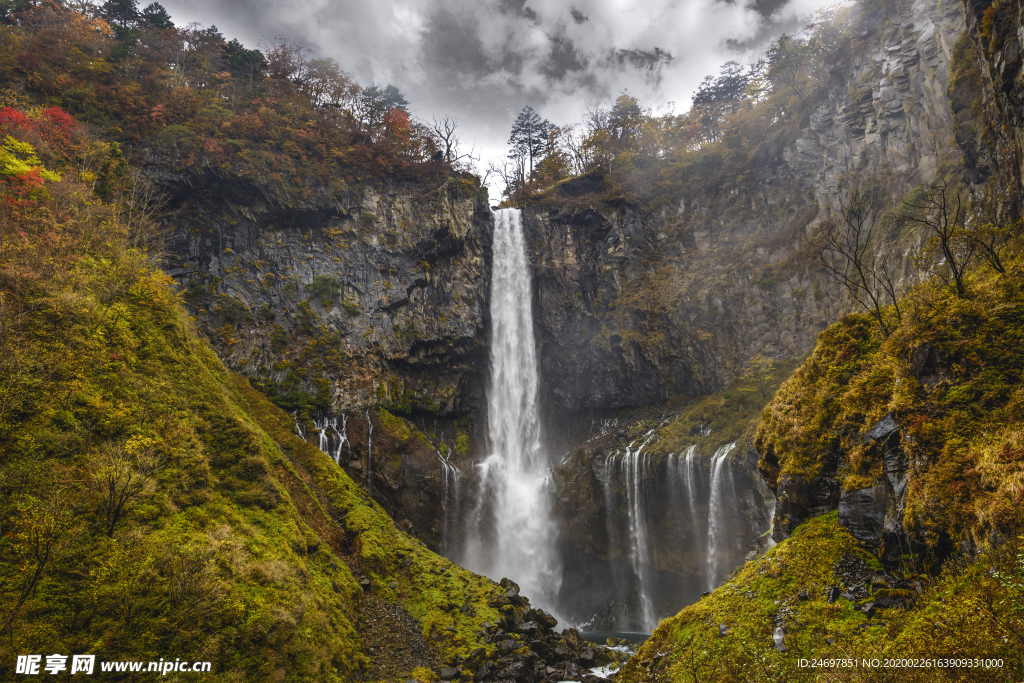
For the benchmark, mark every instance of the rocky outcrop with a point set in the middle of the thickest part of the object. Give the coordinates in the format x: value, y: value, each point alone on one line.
x: 989, y: 97
x: 359, y: 297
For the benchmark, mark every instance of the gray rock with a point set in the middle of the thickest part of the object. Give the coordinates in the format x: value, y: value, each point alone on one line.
x: 779, y: 639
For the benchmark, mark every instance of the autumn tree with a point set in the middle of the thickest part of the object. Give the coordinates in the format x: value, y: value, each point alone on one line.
x: 119, y: 473
x: 759, y: 373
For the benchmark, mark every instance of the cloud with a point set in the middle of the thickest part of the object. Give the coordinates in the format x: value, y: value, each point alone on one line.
x: 483, y: 60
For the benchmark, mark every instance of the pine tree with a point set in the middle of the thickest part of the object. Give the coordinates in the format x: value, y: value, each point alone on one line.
x: 529, y: 136
x: 156, y: 16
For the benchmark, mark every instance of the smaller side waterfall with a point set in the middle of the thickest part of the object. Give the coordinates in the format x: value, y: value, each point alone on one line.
x: 635, y: 465
x: 332, y: 445
x: 721, y: 478
x: 451, y: 488
x: 369, y: 453
x: 298, y: 426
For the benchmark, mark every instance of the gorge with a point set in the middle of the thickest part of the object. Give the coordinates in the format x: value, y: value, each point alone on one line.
x: 362, y: 425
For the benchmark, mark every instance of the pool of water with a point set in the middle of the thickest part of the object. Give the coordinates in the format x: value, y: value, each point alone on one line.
x: 601, y: 637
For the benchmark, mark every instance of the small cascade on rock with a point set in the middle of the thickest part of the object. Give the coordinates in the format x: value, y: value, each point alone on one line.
x: 635, y: 465
x: 298, y: 426
x: 511, y: 531
x: 721, y: 495
x: 342, y: 439
x: 451, y: 495
x: 369, y: 453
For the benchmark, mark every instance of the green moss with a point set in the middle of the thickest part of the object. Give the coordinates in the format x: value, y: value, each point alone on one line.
x: 688, y: 646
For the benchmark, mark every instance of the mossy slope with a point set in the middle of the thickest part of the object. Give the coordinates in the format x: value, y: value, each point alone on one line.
x: 969, y: 611
x: 246, y: 547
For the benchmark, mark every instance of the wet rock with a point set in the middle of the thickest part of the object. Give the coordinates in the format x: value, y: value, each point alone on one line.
x: 833, y: 594
x: 542, y: 618
x: 802, y: 595
x: 448, y: 673
x: 723, y: 630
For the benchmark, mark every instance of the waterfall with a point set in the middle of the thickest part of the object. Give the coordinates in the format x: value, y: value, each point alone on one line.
x: 634, y: 467
x: 298, y: 426
x: 369, y: 453
x: 511, y: 532
x: 451, y: 487
x: 682, y: 472
x: 324, y: 426
x: 720, y: 472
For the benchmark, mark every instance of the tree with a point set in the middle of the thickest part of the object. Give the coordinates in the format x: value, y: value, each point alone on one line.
x: 374, y: 104
x: 121, y: 13
x: 156, y: 16
x: 529, y: 138
x: 847, y: 252
x: 941, y: 209
x: 242, y: 62
x: 759, y: 373
x: 119, y: 474
x: 42, y: 533
x: 448, y: 144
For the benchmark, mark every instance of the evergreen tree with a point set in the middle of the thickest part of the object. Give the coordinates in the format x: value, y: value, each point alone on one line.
x: 529, y: 136
x: 156, y: 16
x: 243, y: 62
x: 375, y: 102
x: 121, y: 14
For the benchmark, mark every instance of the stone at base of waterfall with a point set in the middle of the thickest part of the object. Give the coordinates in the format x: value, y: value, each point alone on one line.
x: 779, y: 639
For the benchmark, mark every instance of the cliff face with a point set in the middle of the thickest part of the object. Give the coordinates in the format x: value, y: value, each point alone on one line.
x: 360, y: 297
x: 635, y: 304
x: 989, y: 101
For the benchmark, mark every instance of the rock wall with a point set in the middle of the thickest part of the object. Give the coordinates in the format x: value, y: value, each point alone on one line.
x: 343, y: 304
x: 638, y: 304
x: 363, y: 297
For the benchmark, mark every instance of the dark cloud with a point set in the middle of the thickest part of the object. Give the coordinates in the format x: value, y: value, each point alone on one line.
x: 483, y: 60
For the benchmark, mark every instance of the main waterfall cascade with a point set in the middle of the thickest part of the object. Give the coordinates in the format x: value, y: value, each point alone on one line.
x: 674, y: 524
x: 511, y: 531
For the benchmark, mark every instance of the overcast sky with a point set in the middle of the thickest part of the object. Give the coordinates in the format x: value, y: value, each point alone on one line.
x: 481, y: 61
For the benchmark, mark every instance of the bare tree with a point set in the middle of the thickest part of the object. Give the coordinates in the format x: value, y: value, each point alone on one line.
x: 118, y: 476
x: 989, y: 231
x: 941, y: 210
x: 449, y: 145
x: 847, y: 252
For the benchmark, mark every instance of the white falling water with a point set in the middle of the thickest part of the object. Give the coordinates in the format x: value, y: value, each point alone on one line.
x: 721, y: 477
x: 682, y: 471
x: 369, y: 453
x: 511, y: 531
x: 451, y: 488
x: 634, y: 467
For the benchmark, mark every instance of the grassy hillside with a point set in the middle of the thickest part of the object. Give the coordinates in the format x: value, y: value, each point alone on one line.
x: 153, y: 504
x: 972, y: 610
